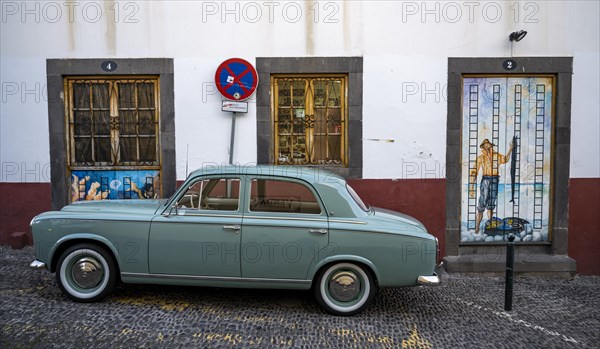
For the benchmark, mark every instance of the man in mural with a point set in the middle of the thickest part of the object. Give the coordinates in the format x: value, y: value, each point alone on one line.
x: 489, y: 161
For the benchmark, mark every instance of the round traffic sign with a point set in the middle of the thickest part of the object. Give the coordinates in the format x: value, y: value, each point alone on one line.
x: 236, y: 79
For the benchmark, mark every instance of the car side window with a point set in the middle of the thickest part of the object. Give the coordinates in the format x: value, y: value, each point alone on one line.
x: 267, y: 195
x: 212, y: 194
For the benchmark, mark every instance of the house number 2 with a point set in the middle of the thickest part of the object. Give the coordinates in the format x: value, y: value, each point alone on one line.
x: 509, y: 64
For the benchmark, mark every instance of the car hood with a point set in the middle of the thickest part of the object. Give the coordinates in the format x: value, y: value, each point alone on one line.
x: 116, y: 206
x: 389, y: 216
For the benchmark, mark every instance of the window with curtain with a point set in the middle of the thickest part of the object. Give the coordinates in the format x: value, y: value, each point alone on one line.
x: 112, y: 122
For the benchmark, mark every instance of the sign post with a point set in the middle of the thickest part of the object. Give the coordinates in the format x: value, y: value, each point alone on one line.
x: 232, y: 139
x: 236, y: 80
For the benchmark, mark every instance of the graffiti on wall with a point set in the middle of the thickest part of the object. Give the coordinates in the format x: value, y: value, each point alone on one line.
x: 506, y: 156
x: 111, y: 185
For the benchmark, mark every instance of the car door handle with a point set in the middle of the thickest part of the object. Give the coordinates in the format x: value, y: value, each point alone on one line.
x: 318, y: 231
x: 232, y: 227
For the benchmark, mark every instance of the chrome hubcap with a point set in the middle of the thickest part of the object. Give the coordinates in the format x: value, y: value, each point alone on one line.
x: 344, y: 286
x: 87, y: 272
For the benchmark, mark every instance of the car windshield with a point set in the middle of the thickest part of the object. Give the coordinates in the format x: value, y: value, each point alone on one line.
x: 357, y: 199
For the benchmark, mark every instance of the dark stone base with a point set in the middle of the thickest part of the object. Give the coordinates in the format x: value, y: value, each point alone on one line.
x: 529, y: 260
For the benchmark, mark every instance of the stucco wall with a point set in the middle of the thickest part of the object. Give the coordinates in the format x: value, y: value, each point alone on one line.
x: 405, y: 46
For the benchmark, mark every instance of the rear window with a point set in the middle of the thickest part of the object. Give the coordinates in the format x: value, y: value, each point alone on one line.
x: 357, y: 199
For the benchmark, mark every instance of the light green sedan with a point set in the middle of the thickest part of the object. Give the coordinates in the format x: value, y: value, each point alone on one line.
x: 247, y: 227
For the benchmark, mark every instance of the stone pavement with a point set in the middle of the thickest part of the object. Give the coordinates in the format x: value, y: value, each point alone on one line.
x: 466, y: 311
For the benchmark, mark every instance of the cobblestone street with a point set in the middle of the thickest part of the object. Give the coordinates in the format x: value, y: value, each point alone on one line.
x: 465, y: 311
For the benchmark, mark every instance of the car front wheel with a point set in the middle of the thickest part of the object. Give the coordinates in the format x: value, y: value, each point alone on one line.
x: 86, y: 273
x: 344, y: 288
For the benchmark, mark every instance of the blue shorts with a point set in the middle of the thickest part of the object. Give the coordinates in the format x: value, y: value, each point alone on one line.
x: 488, y: 193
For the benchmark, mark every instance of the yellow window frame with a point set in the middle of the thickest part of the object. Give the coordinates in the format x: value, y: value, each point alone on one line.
x: 310, y: 127
x: 115, y: 109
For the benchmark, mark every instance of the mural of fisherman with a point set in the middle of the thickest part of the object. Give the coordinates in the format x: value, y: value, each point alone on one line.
x: 488, y: 162
x: 507, y: 159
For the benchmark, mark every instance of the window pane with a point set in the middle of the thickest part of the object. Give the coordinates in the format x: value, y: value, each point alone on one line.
x: 212, y: 194
x: 119, y: 118
x: 282, y: 196
x: 128, y: 149
x: 333, y: 93
x: 298, y: 93
x: 147, y: 149
x: 334, y: 147
x: 82, y: 123
x: 102, y: 150
x: 146, y: 95
x: 310, y: 126
x: 146, y: 124
x: 102, y: 122
x: 320, y: 93
x: 81, y: 95
x: 127, y: 122
x: 100, y: 96
x: 83, y: 150
x: 284, y: 91
x: 127, y: 98
x: 357, y: 198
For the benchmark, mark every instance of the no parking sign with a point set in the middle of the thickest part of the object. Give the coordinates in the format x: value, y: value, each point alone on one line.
x: 236, y: 79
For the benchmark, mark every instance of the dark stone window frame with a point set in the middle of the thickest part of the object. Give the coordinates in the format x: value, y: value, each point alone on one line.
x: 57, y: 69
x: 352, y: 66
x: 562, y: 69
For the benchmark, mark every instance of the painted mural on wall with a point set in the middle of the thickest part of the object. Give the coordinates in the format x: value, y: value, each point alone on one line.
x: 506, y: 156
x: 111, y: 185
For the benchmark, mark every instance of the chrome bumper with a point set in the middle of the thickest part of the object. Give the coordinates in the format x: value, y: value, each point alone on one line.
x: 432, y: 280
x: 37, y: 264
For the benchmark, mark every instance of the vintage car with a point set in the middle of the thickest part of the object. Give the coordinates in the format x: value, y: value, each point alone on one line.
x: 245, y: 227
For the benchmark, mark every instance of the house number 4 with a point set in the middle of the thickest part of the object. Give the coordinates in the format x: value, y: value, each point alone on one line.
x: 109, y: 66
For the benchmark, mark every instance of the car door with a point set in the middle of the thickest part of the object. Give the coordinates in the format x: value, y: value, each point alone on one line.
x: 201, y: 236
x: 285, y: 228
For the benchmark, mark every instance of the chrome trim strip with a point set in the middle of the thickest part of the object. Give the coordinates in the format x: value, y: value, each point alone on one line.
x: 37, y: 264
x: 432, y: 280
x: 91, y: 220
x: 215, y: 278
x: 188, y: 213
x: 324, y: 220
x: 350, y: 222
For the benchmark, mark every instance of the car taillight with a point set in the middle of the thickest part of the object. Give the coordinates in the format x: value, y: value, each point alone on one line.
x: 438, y: 256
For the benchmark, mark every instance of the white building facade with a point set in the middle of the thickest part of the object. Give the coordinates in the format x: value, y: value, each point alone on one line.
x: 397, y: 96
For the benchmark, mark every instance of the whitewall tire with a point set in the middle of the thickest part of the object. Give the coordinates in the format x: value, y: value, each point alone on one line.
x: 344, y: 288
x: 86, y: 273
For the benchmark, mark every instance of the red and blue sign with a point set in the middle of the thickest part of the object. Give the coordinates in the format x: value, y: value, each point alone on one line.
x: 236, y: 79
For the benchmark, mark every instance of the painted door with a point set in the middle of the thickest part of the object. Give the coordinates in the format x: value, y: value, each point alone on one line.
x: 506, y: 158
x: 113, y: 131
x: 284, y: 230
x: 202, y: 238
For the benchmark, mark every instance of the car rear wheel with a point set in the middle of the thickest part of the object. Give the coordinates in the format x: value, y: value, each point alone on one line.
x: 86, y: 273
x: 344, y: 288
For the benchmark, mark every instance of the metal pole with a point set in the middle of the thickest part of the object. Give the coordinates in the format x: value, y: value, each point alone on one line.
x: 510, y: 263
x: 232, y: 141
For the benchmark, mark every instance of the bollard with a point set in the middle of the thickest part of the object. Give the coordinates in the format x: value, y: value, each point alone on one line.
x: 510, y: 262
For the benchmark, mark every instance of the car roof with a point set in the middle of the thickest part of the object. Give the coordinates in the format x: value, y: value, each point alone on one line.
x: 309, y: 174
